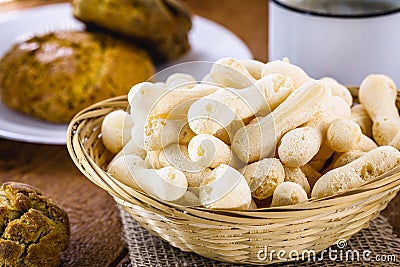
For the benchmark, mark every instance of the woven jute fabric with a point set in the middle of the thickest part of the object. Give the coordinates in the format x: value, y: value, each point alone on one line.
x: 378, y: 243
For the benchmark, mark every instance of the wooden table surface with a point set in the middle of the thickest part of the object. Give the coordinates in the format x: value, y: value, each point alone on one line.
x: 95, y: 223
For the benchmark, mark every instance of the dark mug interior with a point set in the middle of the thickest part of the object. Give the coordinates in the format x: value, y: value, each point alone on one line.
x: 342, y: 8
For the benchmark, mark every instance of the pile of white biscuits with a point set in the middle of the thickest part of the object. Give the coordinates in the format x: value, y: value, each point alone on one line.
x: 252, y: 131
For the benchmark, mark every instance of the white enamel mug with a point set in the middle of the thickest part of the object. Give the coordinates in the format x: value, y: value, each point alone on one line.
x: 343, y: 39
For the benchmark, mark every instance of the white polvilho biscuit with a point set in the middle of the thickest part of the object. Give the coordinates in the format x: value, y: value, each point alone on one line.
x: 367, y: 167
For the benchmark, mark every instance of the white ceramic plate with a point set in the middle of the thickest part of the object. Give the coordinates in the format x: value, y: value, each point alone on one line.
x: 209, y: 42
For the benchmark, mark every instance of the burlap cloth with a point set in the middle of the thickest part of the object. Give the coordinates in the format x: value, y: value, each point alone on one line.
x: 148, y: 250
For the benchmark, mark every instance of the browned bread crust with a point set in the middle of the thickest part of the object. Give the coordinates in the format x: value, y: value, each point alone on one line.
x: 34, y: 230
x: 54, y: 76
x: 161, y: 25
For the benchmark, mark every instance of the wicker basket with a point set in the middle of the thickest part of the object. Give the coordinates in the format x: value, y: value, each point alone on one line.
x: 231, y: 236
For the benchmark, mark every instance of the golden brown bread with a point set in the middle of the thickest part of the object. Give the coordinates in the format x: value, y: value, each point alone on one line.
x: 54, y: 76
x: 34, y: 230
x: 161, y: 25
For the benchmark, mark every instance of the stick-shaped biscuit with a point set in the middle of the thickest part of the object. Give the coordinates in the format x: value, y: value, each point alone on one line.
x: 345, y: 135
x: 298, y: 75
x: 378, y: 96
x: 296, y: 175
x: 288, y: 193
x: 300, y: 145
x: 360, y: 116
x: 264, y: 176
x: 225, y: 188
x: 216, y: 111
x: 367, y: 167
x: 258, y: 140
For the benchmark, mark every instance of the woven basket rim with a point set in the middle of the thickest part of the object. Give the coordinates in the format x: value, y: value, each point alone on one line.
x: 387, y: 181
